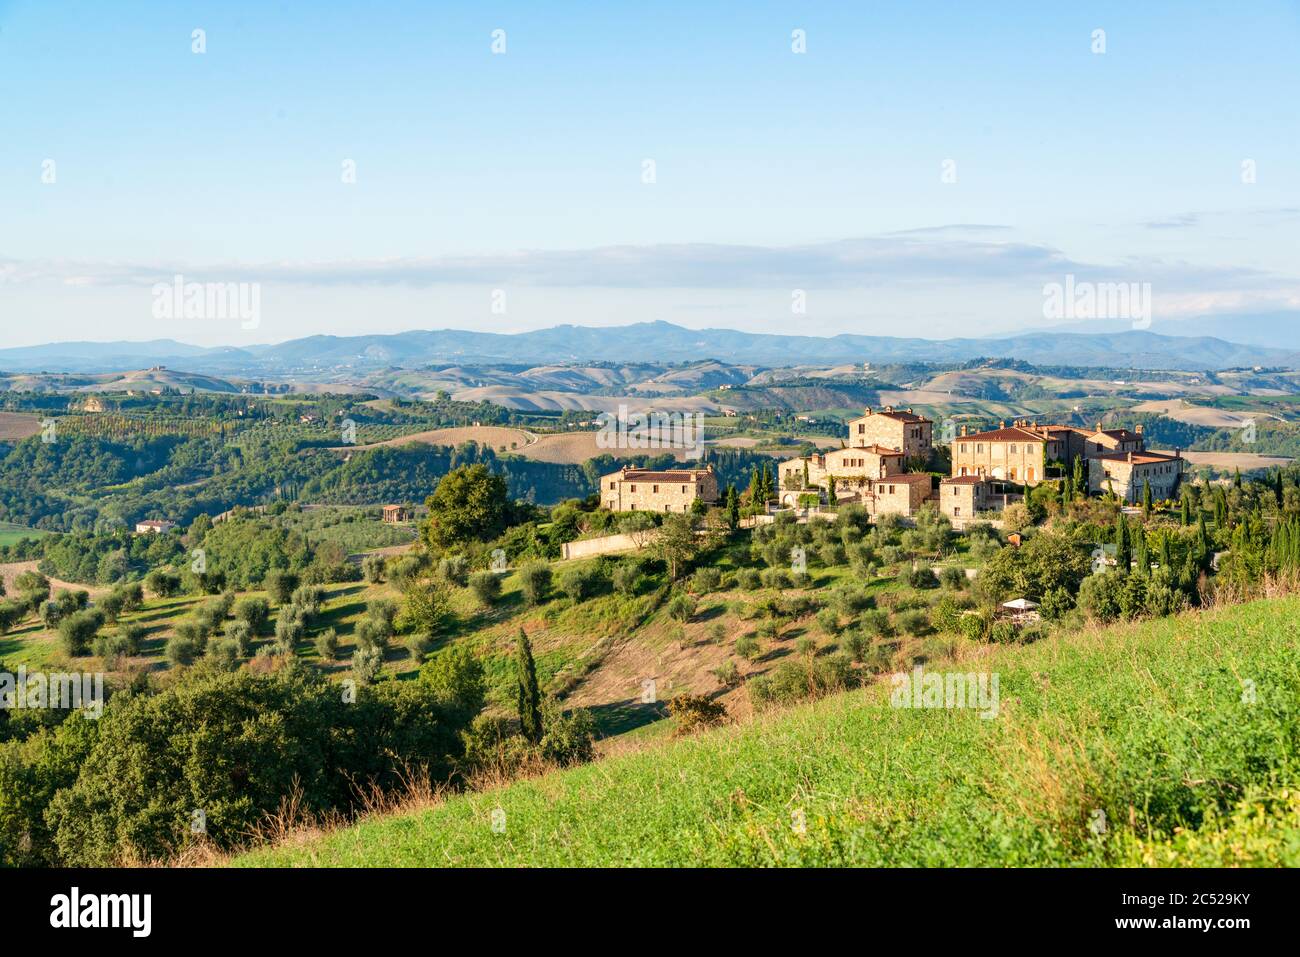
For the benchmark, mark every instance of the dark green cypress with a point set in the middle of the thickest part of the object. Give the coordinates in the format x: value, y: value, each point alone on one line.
x: 530, y: 693
x: 1123, y: 545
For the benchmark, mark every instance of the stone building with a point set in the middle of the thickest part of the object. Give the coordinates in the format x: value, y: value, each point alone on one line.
x: 900, y: 430
x: 1124, y: 473
x: 963, y: 497
x: 1018, y: 454
x: 649, y: 490
x: 153, y: 526
x: 899, y: 494
x: 815, y: 471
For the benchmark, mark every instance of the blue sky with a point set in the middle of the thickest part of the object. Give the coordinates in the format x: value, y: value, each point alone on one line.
x: 523, y: 171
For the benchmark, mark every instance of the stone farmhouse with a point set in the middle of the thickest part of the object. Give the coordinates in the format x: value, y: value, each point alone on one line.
x: 900, y: 430
x: 649, y: 490
x: 962, y: 497
x: 1126, y: 473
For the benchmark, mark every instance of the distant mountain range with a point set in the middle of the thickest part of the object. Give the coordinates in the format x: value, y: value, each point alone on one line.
x: 329, y: 356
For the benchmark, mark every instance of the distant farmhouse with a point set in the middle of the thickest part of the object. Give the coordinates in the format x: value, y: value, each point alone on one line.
x: 650, y: 490
x: 153, y: 527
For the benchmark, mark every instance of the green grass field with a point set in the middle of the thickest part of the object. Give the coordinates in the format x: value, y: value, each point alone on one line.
x: 11, y: 534
x: 1171, y: 742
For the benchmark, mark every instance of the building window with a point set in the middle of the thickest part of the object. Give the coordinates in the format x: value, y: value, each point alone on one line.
x: 979, y: 446
x: 632, y: 488
x: 611, y: 486
x: 1029, y: 475
x: 654, y: 489
x: 683, y: 489
x: 956, y: 511
x: 1013, y: 448
x: 963, y: 448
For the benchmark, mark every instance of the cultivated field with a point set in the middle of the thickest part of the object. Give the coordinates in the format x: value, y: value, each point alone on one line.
x: 1233, y: 460
x: 18, y: 425
x: 1180, y: 411
x: 494, y: 436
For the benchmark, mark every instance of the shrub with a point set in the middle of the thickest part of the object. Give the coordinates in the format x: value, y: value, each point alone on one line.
x: 706, y: 579
x: 828, y: 619
x: 486, y: 587
x: 290, y: 628
x: 952, y: 577
x: 241, y: 634
x: 914, y: 622
x: 749, y: 579
x: 327, y: 645
x: 309, y: 598
x: 457, y: 679
x: 181, y: 650
x: 419, y: 647
x: 454, y: 570
x: 367, y: 662
x: 254, y: 612
x: 628, y: 578
x: 717, y: 633
x: 581, y: 583
x: 535, y: 580
x: 776, y: 578
x: 695, y: 712
x: 728, y: 674
x: 921, y: 577
x: 373, y: 568
x: 131, y: 637
x: 280, y: 585
x: 162, y: 583
x: 1099, y: 595
x: 373, y: 633
x: 223, y: 653
x: 875, y: 622
x: 748, y: 647
x: 681, y: 607
x: 77, y: 631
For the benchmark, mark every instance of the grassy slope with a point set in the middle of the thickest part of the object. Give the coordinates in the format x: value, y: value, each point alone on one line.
x: 1146, y: 723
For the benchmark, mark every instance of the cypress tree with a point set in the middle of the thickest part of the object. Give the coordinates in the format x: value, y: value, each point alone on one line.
x: 1202, y: 533
x: 1166, y: 551
x: 530, y: 693
x: 1123, y: 545
x: 1080, y: 484
x: 1146, y: 499
x: 1140, y: 554
x: 1236, y: 477
x: 1185, y: 511
x: 733, y: 508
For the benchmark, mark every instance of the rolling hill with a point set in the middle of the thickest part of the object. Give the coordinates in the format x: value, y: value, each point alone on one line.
x: 1144, y: 728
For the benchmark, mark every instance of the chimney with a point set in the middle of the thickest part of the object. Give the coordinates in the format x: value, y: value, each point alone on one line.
x: 868, y: 412
x: 1098, y: 429
x: 1002, y: 424
x: 909, y: 410
x: 1130, y: 455
x: 963, y: 431
x: 889, y: 408
x: 1138, y: 428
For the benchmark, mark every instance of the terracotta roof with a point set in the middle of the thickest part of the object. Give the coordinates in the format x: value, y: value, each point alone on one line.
x: 900, y: 415
x: 649, y: 475
x: 904, y: 478
x: 965, y: 480
x: 1012, y: 434
x: 1138, y: 458
x: 873, y: 449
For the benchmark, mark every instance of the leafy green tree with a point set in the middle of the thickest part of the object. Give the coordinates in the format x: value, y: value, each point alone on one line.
x: 280, y: 585
x: 530, y: 693
x: 468, y: 504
